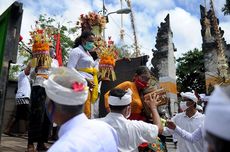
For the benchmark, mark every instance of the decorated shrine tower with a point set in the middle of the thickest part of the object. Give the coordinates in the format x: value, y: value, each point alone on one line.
x: 216, y: 51
x: 164, y: 62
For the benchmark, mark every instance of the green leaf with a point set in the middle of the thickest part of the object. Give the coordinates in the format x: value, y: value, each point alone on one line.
x: 190, y: 71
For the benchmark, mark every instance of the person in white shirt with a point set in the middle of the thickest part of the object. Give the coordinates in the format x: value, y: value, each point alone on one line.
x: 199, y: 108
x: 67, y: 91
x: 193, y: 137
x: 217, y: 121
x: 81, y: 60
x: 189, y: 120
x: 22, y: 102
x: 131, y: 133
x: 54, y: 63
x: 39, y: 123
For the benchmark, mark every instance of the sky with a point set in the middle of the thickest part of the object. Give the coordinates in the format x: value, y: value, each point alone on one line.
x: 148, y: 14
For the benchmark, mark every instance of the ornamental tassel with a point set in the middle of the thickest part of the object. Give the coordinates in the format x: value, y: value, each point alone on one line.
x: 34, y: 62
x: 113, y: 75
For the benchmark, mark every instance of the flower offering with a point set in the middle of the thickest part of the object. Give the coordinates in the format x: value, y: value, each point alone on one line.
x: 40, y: 41
x: 92, y: 20
x: 108, y: 55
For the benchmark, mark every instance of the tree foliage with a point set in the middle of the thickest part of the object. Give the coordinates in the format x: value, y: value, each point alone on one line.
x: 66, y: 33
x: 66, y: 43
x: 226, y: 8
x: 190, y: 72
x: 14, y: 69
x: 24, y: 55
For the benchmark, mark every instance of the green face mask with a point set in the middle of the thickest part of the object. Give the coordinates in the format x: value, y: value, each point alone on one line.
x: 89, y: 46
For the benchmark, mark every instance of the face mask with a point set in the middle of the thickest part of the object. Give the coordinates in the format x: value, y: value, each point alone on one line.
x: 89, y: 46
x: 183, y: 106
x: 140, y: 84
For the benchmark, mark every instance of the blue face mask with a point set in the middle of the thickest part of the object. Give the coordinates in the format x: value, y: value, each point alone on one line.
x: 89, y: 46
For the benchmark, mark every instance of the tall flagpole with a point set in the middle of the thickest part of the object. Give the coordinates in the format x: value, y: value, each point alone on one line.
x: 122, y: 30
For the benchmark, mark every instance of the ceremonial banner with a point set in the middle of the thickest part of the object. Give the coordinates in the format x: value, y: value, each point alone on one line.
x: 57, y: 37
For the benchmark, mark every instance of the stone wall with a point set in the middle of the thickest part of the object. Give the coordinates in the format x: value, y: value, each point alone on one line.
x: 164, y: 64
x: 9, y: 102
x: 210, y: 48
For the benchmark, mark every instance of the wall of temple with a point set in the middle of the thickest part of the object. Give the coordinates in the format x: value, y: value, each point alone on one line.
x: 164, y: 63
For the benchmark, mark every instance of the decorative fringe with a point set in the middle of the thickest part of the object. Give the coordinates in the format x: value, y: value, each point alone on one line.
x: 107, y: 72
x: 43, y: 75
x: 113, y: 76
x: 41, y: 61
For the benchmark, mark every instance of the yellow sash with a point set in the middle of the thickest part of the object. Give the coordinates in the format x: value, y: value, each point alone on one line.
x: 94, y: 72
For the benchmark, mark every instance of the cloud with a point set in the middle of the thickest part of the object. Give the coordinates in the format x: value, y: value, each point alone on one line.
x: 185, y: 27
x: 153, y: 6
x: 144, y: 13
x: 184, y: 18
x: 75, y: 9
x: 225, y: 26
x: 5, y: 4
x: 28, y: 20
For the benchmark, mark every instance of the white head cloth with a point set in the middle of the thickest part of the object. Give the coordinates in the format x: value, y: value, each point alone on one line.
x: 189, y: 95
x: 206, y: 98
x: 125, y: 100
x: 59, y: 87
x: 203, y: 97
x: 198, y: 107
x: 217, y: 119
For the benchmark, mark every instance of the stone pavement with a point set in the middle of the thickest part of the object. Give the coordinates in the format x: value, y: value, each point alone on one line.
x: 171, y: 147
x: 13, y: 144
x: 18, y: 144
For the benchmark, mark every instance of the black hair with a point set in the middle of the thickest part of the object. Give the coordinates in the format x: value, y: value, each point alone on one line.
x: 142, y: 70
x: 219, y: 144
x: 16, y: 90
x: 195, y: 105
x: 84, y: 35
x: 116, y: 92
x: 72, y: 110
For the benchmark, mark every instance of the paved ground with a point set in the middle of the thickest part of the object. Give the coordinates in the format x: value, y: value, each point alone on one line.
x: 18, y: 144
x: 171, y: 147
x: 13, y: 144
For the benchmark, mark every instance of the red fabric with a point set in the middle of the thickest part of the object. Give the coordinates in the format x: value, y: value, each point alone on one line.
x: 143, y: 145
x: 58, y: 48
x: 77, y: 87
x: 20, y: 38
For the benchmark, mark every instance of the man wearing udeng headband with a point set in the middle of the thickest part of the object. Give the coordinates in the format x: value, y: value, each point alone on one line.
x: 68, y: 91
x: 189, y: 120
x: 217, y: 121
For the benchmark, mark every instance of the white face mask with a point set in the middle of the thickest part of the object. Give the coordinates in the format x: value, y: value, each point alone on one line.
x: 183, y: 106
